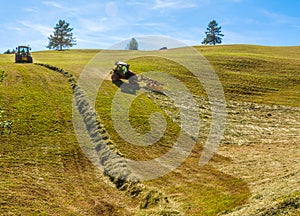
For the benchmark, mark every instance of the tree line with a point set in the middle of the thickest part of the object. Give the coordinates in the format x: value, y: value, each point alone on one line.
x: 13, y: 51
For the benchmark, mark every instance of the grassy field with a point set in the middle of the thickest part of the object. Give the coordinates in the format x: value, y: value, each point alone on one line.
x: 44, y: 171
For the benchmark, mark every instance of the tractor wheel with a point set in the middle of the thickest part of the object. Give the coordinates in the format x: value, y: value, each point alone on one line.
x: 115, y: 76
x: 18, y: 59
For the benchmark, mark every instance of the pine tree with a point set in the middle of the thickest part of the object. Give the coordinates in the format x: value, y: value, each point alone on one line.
x: 213, y: 34
x: 62, y: 36
x: 133, y: 44
x: 7, y: 52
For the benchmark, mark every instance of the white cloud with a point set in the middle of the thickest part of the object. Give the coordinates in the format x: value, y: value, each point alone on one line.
x: 14, y: 28
x: 44, y: 30
x: 31, y: 10
x: 98, y: 25
x: 53, y: 4
x: 151, y: 24
x: 37, y: 43
x: 173, y: 4
x: 280, y: 18
x: 137, y: 3
x: 64, y: 9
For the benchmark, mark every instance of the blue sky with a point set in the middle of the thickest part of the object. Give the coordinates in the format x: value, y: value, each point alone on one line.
x: 101, y: 24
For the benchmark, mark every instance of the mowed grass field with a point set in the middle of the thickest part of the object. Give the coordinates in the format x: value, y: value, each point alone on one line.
x: 43, y: 169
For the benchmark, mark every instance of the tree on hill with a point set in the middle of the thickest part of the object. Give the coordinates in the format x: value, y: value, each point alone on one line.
x: 62, y: 36
x: 9, y: 51
x: 132, y: 45
x: 213, y: 34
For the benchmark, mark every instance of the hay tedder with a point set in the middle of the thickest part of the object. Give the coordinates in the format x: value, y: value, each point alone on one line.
x: 23, y: 54
x: 121, y: 71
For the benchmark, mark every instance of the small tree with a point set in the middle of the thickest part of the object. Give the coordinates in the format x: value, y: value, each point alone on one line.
x: 9, y: 51
x: 62, y: 36
x: 2, y: 75
x: 213, y: 34
x: 133, y: 44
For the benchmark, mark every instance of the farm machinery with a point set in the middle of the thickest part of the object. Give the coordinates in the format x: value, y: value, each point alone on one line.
x: 122, y: 71
x: 23, y: 54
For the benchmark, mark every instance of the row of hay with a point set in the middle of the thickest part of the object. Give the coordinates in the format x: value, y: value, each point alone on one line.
x: 113, y: 164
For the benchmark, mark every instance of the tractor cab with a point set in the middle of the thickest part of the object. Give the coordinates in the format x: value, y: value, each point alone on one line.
x: 23, y: 54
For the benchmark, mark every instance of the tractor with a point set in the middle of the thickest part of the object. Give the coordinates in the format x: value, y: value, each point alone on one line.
x: 23, y: 55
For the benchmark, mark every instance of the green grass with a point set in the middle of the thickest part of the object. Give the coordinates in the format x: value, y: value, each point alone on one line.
x: 260, y: 74
x: 199, y: 190
x: 43, y: 170
x: 70, y: 60
x: 5, y: 124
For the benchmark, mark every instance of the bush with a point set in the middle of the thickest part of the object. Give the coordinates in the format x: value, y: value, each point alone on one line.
x: 9, y: 51
x: 2, y: 75
x: 6, y: 125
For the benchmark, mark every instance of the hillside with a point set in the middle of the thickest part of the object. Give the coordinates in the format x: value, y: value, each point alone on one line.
x: 255, y: 171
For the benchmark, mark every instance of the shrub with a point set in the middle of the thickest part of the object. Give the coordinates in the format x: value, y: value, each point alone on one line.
x: 5, y: 125
x: 2, y: 75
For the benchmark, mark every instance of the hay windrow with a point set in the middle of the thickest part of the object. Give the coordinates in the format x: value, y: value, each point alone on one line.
x: 114, y: 166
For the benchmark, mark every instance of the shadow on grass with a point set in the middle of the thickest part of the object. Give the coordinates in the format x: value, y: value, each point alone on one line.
x: 203, y: 190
